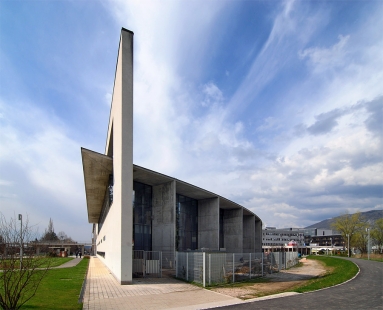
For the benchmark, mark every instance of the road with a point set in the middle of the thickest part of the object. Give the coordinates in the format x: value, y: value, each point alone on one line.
x: 363, y: 292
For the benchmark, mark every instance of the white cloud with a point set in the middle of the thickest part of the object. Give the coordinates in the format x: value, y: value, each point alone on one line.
x: 42, y: 167
x: 213, y: 95
x: 327, y: 58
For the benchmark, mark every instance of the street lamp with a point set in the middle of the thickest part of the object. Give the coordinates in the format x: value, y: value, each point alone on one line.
x: 331, y: 244
x: 368, y: 243
x: 348, y: 245
x: 21, y: 240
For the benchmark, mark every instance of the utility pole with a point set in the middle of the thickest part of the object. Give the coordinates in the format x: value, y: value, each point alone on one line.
x: 348, y: 245
x: 368, y: 243
x: 21, y: 240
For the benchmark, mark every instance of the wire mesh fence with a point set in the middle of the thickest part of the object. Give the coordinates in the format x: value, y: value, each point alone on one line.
x: 147, y: 263
x: 214, y: 268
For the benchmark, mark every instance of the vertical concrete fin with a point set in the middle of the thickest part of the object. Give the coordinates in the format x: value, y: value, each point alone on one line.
x: 117, y: 231
x: 125, y: 162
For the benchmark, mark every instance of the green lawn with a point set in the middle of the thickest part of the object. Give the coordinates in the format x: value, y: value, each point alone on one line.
x: 60, y: 289
x: 40, y: 262
x: 341, y: 270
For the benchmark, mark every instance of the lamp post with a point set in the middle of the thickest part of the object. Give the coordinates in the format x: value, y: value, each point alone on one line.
x: 348, y: 245
x: 21, y: 240
x: 368, y: 243
x: 331, y: 244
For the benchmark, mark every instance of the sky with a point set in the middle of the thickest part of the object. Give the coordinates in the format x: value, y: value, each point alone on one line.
x: 275, y: 105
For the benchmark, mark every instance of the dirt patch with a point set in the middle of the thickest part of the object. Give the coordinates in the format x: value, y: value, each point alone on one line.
x: 277, y: 282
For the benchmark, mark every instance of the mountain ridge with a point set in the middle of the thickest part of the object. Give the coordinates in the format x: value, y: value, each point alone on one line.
x: 371, y: 216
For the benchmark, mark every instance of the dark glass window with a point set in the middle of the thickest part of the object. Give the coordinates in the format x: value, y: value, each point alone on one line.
x: 221, y: 235
x: 186, y: 223
x: 142, y: 216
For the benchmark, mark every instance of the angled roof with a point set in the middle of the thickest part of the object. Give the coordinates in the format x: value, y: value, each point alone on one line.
x: 97, y: 168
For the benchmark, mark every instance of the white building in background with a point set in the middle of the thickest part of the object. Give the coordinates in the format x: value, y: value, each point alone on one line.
x: 274, y: 239
x: 133, y: 208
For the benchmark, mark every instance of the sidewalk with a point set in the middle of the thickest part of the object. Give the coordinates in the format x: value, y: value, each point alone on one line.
x: 73, y: 262
x: 102, y: 291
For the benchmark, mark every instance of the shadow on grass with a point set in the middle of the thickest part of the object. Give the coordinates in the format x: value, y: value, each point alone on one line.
x: 60, y: 289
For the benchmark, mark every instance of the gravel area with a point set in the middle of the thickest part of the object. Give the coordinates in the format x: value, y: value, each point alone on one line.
x: 281, y: 281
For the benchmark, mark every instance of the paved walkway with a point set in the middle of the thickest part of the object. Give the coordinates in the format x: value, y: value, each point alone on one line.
x: 73, y: 262
x: 102, y: 291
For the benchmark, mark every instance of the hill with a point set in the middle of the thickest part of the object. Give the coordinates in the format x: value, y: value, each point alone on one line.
x: 370, y: 216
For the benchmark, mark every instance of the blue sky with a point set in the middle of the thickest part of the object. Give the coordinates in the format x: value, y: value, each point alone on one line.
x: 276, y: 105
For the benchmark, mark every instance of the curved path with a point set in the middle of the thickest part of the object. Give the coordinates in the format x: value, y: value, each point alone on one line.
x: 363, y: 292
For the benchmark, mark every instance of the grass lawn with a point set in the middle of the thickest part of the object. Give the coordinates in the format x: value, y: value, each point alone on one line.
x: 60, y: 289
x: 341, y: 271
x: 40, y: 262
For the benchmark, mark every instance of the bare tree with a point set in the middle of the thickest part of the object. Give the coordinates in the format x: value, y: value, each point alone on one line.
x: 20, y: 274
x: 62, y: 236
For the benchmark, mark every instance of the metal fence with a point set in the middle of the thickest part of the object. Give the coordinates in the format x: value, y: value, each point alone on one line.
x: 147, y: 263
x: 215, y: 268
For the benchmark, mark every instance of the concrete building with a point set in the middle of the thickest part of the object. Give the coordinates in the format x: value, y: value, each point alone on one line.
x: 133, y: 208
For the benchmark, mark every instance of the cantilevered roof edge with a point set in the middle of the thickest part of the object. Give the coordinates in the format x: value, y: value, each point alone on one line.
x: 97, y: 168
x: 210, y: 194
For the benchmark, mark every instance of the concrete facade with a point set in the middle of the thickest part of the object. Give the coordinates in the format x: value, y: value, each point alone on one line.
x: 208, y: 223
x: 164, y: 221
x: 248, y: 236
x: 109, y: 180
x: 233, y: 230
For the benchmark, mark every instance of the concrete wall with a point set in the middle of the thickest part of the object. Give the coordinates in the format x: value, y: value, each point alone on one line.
x: 258, y: 235
x: 208, y: 223
x: 164, y: 222
x: 233, y: 230
x: 248, y: 233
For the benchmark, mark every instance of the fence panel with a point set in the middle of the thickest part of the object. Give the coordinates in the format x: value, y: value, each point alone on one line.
x: 147, y: 263
x: 221, y: 267
x: 153, y: 263
x: 138, y: 263
x: 217, y: 268
x: 291, y: 259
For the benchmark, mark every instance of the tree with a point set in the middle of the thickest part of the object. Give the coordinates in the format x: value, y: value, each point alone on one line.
x: 361, y: 238
x: 377, y: 233
x: 349, y: 226
x: 62, y: 236
x: 20, y: 275
x: 49, y: 234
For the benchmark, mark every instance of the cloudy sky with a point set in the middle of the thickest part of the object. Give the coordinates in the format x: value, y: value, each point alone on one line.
x: 276, y: 105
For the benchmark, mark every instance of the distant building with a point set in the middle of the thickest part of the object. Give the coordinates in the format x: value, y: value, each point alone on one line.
x: 322, y: 237
x: 274, y: 239
x: 304, y: 240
